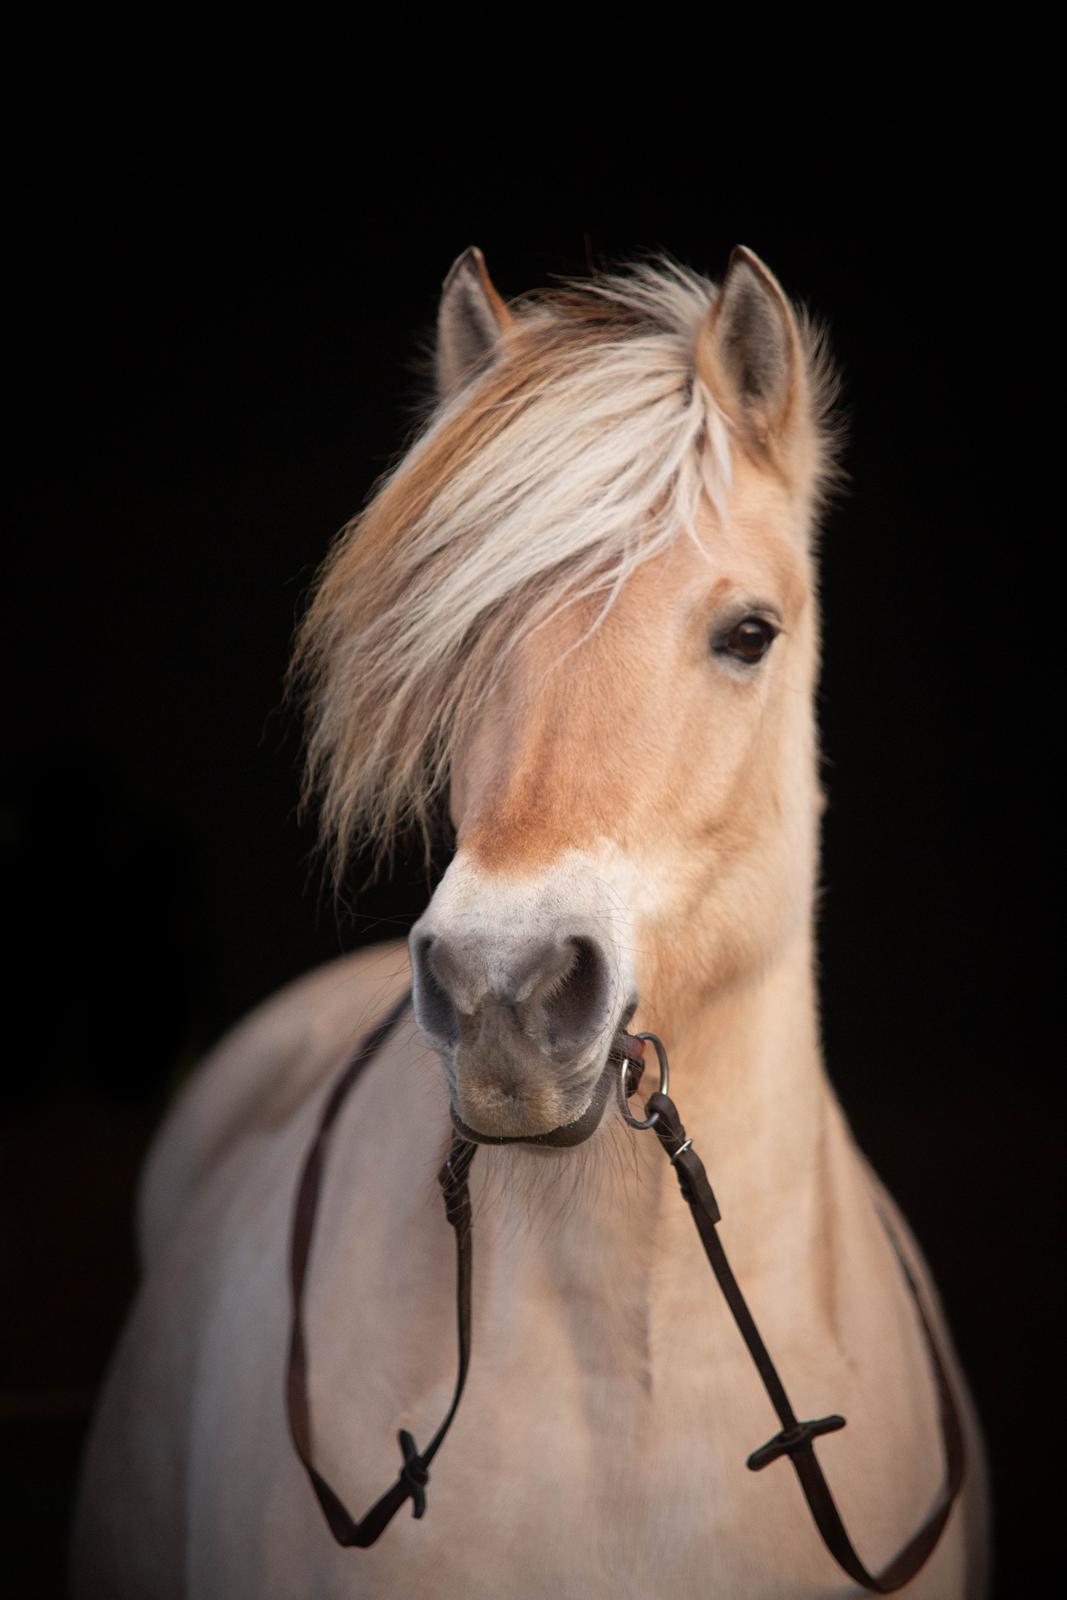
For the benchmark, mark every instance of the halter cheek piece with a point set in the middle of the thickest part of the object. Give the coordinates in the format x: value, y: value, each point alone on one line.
x: 795, y: 1439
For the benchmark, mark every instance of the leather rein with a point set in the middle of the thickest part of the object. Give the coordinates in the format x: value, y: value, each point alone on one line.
x: 795, y: 1438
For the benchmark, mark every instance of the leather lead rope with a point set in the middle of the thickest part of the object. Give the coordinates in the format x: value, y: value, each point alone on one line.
x: 795, y: 1438
x: 415, y: 1465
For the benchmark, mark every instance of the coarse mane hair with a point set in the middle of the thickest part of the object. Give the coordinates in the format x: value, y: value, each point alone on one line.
x: 577, y: 452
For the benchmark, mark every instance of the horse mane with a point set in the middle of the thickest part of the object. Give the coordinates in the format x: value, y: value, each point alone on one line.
x: 579, y: 451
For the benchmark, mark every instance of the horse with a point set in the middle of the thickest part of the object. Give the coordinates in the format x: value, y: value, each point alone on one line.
x: 578, y: 623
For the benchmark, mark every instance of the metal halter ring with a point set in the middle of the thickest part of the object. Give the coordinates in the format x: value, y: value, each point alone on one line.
x: 664, y: 1080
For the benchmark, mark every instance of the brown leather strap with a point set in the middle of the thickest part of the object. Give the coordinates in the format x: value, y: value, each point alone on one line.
x: 796, y: 1439
x: 415, y: 1469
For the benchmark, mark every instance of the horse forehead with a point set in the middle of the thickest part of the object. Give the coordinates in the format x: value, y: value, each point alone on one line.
x: 759, y: 539
x: 558, y: 780
x: 753, y: 550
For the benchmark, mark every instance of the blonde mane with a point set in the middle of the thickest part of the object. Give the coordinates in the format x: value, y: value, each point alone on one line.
x: 579, y: 452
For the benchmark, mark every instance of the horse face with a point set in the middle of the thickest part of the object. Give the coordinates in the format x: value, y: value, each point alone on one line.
x: 636, y: 783
x: 628, y: 794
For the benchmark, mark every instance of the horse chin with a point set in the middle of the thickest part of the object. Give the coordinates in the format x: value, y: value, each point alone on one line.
x: 574, y: 1131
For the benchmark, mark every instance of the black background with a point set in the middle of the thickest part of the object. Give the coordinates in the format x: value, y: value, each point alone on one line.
x: 212, y: 340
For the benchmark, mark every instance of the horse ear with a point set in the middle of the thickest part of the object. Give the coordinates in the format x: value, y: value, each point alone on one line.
x: 470, y: 320
x: 748, y: 352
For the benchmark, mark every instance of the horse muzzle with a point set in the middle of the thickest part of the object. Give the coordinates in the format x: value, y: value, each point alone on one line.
x: 566, y: 1134
x: 521, y: 984
x: 524, y: 1029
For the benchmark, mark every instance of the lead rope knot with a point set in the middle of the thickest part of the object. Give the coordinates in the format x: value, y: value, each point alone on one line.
x: 413, y: 1474
x: 791, y: 1440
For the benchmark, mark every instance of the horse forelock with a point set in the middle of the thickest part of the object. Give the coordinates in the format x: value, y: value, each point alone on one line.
x: 581, y: 450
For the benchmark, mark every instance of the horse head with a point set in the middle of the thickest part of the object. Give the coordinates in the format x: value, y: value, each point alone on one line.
x: 583, y: 605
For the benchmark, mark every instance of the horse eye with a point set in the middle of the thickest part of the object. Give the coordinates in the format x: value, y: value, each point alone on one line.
x: 748, y: 641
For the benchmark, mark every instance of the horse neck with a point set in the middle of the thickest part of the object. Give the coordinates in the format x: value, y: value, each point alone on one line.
x: 747, y: 1077
x: 747, y: 1073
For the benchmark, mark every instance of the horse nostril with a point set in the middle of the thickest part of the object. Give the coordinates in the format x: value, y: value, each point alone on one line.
x: 573, y: 1004
x: 434, y: 1010
x: 556, y: 992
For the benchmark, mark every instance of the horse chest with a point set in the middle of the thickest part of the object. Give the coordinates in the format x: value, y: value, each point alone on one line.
x: 599, y: 1449
x: 590, y: 1460
x: 618, y: 1498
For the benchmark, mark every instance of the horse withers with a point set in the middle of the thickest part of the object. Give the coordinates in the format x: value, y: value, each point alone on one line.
x: 583, y: 610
